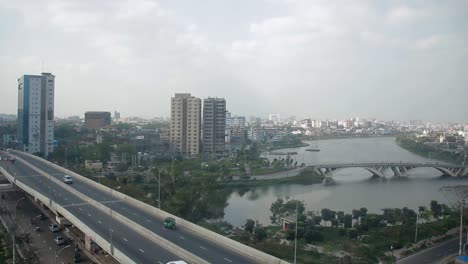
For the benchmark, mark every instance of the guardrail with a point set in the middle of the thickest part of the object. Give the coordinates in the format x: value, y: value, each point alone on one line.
x: 256, y: 255
x: 124, y: 220
x: 117, y: 254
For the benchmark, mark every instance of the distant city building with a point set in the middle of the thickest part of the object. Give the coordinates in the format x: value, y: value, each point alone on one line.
x: 35, y: 132
x: 97, y: 120
x: 8, y: 140
x: 165, y: 134
x: 234, y: 121
x: 214, y: 125
x: 116, y: 115
x: 274, y: 118
x: 93, y: 164
x: 185, y: 127
x: 306, y: 123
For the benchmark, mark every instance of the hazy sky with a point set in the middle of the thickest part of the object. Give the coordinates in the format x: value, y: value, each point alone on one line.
x: 309, y: 58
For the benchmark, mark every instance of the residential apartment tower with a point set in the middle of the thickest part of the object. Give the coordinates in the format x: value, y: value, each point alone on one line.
x: 214, y: 125
x: 185, y: 128
x: 35, y: 132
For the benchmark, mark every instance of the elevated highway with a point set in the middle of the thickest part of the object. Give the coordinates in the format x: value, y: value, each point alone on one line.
x: 145, y: 251
x: 139, y: 233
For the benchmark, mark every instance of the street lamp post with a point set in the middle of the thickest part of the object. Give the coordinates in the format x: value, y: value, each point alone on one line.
x: 14, y: 227
x: 416, y: 233
x: 295, y: 236
x: 58, y: 253
x: 461, y: 227
x: 159, y: 189
x: 393, y: 257
x: 110, y: 223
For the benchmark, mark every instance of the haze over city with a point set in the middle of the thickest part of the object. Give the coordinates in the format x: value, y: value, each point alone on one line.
x: 305, y: 58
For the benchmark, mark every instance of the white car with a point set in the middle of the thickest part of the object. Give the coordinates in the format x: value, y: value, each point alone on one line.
x: 59, y: 240
x: 177, y: 262
x: 67, y: 179
x: 54, y: 228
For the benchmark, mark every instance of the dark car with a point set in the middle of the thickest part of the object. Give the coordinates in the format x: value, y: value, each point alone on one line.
x: 169, y: 223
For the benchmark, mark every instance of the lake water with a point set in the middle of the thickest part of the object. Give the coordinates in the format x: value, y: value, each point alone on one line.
x: 353, y: 190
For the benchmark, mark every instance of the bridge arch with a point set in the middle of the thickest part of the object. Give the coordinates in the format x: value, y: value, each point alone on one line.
x: 444, y: 171
x: 328, y: 172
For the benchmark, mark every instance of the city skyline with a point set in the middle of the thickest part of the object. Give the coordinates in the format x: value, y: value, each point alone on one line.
x: 389, y: 60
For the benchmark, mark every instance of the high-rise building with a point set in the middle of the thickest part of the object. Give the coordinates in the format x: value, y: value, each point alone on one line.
x: 234, y: 121
x: 116, y: 116
x: 214, y: 125
x: 97, y: 119
x: 185, y: 123
x: 36, y: 113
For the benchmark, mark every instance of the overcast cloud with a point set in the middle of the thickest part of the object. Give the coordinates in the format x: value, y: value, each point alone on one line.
x: 319, y: 59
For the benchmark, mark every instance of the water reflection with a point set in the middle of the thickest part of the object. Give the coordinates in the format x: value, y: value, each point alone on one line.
x: 353, y: 189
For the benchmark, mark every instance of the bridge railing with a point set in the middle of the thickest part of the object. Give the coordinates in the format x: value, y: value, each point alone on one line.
x: 382, y: 163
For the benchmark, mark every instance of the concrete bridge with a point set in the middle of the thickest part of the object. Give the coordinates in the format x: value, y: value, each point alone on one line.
x: 399, y: 169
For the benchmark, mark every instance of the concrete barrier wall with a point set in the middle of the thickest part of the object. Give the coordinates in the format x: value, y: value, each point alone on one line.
x: 256, y: 255
x: 124, y: 220
x: 118, y: 255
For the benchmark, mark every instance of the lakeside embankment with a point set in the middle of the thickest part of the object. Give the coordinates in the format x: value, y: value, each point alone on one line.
x: 305, y: 176
x: 427, y: 151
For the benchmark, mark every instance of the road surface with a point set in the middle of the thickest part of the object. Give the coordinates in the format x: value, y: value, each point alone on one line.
x: 128, y: 241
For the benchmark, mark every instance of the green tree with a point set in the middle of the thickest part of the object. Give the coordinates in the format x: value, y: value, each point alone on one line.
x: 259, y: 233
x: 249, y: 225
x: 280, y: 209
x: 340, y: 216
x: 436, y: 208
x: 313, y: 236
x: 334, y: 222
x: 327, y: 214
x: 348, y: 221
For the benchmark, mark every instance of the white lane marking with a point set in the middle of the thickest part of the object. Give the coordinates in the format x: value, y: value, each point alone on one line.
x: 182, y: 237
x: 228, y: 260
x: 89, y: 215
x: 204, y: 248
x: 147, y: 220
x: 80, y: 209
x: 100, y: 222
x: 160, y: 262
x: 124, y: 239
x: 141, y: 250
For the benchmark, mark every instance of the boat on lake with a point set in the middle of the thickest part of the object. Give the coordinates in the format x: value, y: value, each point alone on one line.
x: 313, y: 150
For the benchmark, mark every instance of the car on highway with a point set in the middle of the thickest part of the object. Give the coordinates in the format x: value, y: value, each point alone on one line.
x: 54, y: 228
x: 59, y: 240
x: 177, y: 262
x: 67, y: 179
x: 169, y: 223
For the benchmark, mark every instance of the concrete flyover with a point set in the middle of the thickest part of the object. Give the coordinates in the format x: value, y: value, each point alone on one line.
x: 188, y: 241
x: 399, y: 169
